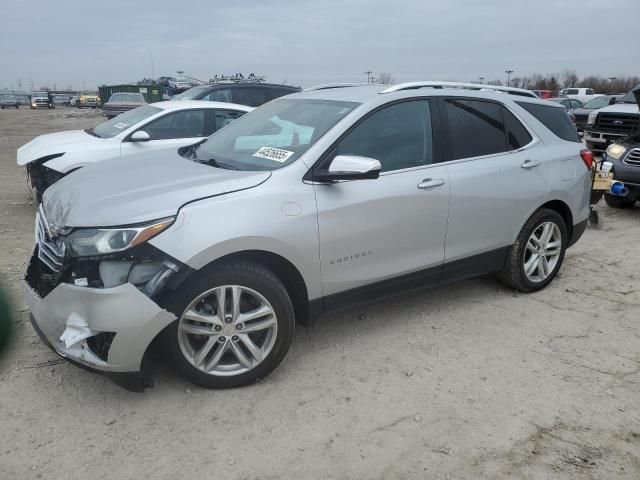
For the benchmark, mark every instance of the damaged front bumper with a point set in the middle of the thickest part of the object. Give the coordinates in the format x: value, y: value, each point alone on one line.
x: 102, y: 329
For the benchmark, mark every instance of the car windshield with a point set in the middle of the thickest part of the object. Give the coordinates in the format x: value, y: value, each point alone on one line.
x: 272, y: 136
x: 191, y: 94
x: 628, y: 98
x: 597, y: 102
x: 126, y: 97
x: 118, y: 124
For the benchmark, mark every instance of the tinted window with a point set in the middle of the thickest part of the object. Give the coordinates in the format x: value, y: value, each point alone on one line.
x: 185, y: 124
x: 224, y: 117
x: 253, y: 97
x: 476, y: 128
x: 517, y: 135
x: 555, y: 119
x: 219, y: 95
x: 399, y: 136
x: 589, y: 91
x: 276, y: 92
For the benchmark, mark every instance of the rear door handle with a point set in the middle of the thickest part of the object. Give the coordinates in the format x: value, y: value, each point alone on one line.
x: 428, y: 183
x: 530, y: 164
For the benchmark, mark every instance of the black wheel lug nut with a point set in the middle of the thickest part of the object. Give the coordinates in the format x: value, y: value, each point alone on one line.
x: 239, y: 326
x: 217, y: 328
x: 234, y: 338
x: 221, y: 339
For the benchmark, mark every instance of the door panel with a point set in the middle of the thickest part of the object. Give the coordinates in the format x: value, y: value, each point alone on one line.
x: 490, y: 197
x: 494, y: 190
x: 372, y: 230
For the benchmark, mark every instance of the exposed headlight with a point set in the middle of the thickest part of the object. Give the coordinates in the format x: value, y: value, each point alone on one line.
x: 88, y: 242
x: 615, y: 151
x: 591, y: 119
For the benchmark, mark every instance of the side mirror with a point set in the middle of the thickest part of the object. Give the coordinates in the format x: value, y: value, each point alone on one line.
x: 350, y: 167
x: 140, y: 136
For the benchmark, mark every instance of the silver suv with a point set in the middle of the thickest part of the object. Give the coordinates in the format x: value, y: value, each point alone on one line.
x: 313, y: 202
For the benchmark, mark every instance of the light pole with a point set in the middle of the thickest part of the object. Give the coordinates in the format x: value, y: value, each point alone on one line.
x: 481, y: 79
x: 508, y: 72
x: 368, y: 74
x: 180, y: 72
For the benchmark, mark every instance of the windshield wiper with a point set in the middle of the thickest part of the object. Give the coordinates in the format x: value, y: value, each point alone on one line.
x: 90, y: 131
x: 215, y: 163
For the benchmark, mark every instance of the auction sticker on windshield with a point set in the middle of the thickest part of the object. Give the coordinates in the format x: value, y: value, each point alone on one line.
x: 275, y: 154
x: 120, y: 125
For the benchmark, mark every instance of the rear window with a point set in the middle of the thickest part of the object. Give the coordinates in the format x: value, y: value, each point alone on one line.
x: 555, y: 119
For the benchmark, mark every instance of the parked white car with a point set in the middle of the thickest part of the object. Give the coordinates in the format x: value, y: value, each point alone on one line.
x: 160, y: 125
x: 582, y: 94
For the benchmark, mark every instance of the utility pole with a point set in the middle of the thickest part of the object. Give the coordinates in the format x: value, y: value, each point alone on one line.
x: 508, y: 72
x: 481, y: 79
x: 368, y: 74
x: 153, y: 75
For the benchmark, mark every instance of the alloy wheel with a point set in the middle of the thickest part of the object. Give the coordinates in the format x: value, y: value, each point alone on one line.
x: 228, y: 330
x: 543, y: 252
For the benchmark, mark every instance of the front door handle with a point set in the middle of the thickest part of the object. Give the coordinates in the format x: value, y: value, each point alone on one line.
x: 530, y: 164
x: 430, y: 183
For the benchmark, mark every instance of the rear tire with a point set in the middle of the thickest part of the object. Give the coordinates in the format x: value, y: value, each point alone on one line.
x: 228, y: 331
x: 620, y: 202
x: 516, y: 272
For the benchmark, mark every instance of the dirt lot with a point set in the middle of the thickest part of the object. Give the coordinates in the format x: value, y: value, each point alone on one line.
x: 472, y: 381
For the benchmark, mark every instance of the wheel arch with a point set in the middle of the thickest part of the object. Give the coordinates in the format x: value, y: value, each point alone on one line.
x: 565, y: 212
x: 283, y: 268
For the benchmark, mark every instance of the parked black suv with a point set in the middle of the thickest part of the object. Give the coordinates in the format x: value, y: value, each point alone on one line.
x: 252, y: 94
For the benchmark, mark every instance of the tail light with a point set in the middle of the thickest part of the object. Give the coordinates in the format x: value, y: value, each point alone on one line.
x: 587, y: 157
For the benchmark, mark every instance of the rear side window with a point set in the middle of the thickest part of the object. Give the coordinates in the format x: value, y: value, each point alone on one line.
x: 517, y: 135
x: 254, y: 97
x: 555, y: 119
x: 276, y: 92
x: 476, y: 128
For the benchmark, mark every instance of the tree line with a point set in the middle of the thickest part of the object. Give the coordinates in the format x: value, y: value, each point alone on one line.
x: 569, y: 78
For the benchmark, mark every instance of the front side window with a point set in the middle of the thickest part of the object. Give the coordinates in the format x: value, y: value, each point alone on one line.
x: 590, y: 91
x: 184, y: 124
x: 125, y: 120
x: 476, y: 128
x: 272, y: 136
x: 398, y: 136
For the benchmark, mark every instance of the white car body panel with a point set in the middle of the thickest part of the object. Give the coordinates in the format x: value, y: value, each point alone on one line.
x: 78, y: 148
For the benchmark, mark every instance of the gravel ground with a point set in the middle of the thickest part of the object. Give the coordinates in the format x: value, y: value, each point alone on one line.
x: 469, y: 381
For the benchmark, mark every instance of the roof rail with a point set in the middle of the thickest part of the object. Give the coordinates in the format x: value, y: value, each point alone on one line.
x: 469, y: 86
x: 327, y: 86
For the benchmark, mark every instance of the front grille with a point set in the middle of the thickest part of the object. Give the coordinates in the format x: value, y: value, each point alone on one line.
x: 49, y: 252
x: 633, y: 158
x: 619, y: 123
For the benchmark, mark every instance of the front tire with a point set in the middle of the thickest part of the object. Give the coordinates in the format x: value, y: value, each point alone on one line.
x: 620, y: 202
x: 537, y: 255
x: 235, y: 325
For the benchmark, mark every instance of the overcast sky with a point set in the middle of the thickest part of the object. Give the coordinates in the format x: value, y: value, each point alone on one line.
x: 301, y: 42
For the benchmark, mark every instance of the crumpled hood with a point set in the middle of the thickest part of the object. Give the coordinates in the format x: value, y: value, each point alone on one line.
x: 55, y: 143
x: 138, y: 188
